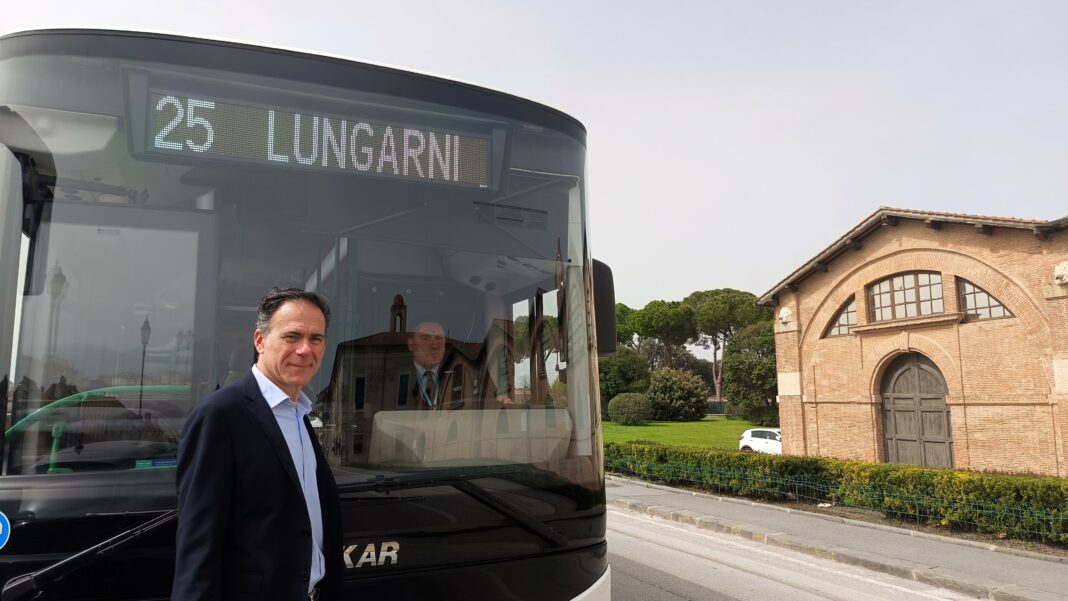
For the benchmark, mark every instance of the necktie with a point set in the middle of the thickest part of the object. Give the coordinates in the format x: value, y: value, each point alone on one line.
x: 430, y: 388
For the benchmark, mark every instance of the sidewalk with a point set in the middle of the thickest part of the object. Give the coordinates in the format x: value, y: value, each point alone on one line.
x: 983, y: 570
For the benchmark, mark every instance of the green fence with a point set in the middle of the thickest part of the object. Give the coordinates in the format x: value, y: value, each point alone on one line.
x: 1023, y: 507
x: 716, y: 407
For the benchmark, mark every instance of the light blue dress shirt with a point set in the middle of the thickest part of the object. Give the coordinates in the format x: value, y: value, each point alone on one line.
x: 290, y: 417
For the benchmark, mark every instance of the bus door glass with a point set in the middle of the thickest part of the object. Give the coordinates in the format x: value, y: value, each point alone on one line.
x: 105, y: 373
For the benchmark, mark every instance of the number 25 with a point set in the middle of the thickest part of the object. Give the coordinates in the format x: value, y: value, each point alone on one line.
x: 192, y: 121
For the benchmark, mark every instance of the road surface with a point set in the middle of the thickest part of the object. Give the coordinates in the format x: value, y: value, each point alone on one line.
x: 659, y: 560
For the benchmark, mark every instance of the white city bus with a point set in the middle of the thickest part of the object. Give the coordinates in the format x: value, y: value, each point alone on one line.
x: 153, y: 188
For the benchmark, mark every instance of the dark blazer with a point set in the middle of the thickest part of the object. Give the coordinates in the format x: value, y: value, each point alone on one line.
x: 243, y: 527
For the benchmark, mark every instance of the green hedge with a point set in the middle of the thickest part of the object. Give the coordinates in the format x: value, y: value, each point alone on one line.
x: 1030, y: 507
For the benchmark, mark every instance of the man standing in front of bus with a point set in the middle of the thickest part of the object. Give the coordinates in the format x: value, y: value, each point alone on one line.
x: 258, y: 511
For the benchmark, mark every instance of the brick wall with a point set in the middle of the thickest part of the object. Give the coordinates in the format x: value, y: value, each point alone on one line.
x: 1006, y: 379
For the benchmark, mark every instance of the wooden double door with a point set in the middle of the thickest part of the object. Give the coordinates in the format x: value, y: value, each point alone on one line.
x: 916, y: 425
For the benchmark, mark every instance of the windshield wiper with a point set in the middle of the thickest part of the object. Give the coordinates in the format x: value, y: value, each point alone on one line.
x: 461, y: 481
x: 20, y: 587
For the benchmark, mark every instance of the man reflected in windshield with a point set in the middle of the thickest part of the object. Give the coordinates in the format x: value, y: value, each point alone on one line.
x: 258, y: 511
x: 427, y: 345
x: 439, y: 383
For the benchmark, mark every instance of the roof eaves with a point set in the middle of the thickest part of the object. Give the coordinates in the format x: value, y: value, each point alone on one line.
x: 851, y: 240
x: 889, y: 216
x: 1052, y: 226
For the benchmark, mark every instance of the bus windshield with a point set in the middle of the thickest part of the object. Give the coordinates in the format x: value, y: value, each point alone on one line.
x: 146, y: 207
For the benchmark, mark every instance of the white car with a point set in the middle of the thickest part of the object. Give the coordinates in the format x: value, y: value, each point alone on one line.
x: 761, y: 440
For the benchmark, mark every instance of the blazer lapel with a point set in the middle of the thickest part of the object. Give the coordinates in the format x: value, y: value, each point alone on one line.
x: 262, y: 415
x: 316, y: 449
x: 416, y: 398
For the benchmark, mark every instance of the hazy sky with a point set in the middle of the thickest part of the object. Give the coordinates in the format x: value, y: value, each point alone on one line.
x: 729, y: 142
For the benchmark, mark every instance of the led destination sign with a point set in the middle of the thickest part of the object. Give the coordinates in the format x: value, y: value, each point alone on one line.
x: 206, y: 128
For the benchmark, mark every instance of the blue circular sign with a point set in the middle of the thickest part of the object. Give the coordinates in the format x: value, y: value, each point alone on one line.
x: 5, y: 529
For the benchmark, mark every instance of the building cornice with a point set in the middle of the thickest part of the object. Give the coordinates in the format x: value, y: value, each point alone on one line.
x: 927, y: 321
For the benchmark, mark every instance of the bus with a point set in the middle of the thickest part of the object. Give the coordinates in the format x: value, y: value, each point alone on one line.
x: 154, y: 187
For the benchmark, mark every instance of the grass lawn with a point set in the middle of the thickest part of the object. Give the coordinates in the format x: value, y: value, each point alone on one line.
x: 711, y: 432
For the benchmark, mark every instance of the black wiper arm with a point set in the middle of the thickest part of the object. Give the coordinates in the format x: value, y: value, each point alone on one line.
x: 522, y: 518
x: 20, y: 587
x: 461, y: 482
x: 441, y: 477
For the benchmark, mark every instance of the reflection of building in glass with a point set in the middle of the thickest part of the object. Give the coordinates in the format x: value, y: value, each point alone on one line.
x: 375, y: 389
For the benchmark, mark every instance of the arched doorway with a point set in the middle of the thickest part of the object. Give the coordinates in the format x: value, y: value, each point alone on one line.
x: 915, y: 415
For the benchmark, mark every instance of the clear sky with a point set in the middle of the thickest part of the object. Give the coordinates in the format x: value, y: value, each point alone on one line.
x: 729, y: 142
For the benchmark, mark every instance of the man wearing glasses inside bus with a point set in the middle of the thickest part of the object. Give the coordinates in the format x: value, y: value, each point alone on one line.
x: 258, y: 511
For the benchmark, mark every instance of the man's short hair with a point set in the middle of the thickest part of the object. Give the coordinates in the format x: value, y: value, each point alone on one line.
x: 428, y: 322
x: 277, y: 297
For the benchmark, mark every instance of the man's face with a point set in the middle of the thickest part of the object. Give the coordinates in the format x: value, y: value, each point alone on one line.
x: 293, y: 346
x: 427, y: 344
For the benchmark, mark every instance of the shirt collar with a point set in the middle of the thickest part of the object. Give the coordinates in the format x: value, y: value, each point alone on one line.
x: 420, y: 370
x: 275, y: 396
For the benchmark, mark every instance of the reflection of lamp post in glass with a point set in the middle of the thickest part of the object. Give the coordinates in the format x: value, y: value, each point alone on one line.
x: 57, y: 289
x: 146, y: 331
x: 181, y: 343
x: 185, y: 344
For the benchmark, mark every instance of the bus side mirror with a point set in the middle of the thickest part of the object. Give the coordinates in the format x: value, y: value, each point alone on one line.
x: 604, y: 308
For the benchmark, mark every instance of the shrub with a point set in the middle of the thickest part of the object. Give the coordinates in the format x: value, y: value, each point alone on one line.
x: 756, y: 415
x: 677, y: 395
x: 763, y: 416
x: 734, y: 411
x: 1029, y: 507
x: 622, y: 371
x: 630, y: 409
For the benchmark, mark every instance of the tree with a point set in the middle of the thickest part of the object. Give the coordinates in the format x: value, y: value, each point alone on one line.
x: 653, y: 355
x: 670, y: 322
x: 718, y: 315
x: 750, y: 379
x: 652, y: 352
x: 625, y: 331
x: 622, y: 371
x: 550, y: 337
x: 687, y: 361
x: 677, y: 395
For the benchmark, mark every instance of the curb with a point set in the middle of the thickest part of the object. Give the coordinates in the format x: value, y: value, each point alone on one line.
x: 928, y: 575
x: 850, y: 521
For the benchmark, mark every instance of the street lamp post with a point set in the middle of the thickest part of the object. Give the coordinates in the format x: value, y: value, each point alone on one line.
x: 146, y: 331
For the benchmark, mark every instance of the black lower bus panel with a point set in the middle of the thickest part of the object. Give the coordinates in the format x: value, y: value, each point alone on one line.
x: 146, y: 573
x: 558, y: 577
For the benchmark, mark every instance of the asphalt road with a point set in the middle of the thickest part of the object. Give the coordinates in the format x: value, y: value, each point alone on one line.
x: 658, y: 560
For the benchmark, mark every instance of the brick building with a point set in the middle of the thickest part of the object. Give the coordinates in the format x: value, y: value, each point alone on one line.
x: 932, y: 339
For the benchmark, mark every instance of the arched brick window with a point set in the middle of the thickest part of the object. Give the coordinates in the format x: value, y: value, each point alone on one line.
x: 843, y: 320
x: 978, y: 304
x: 905, y: 295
